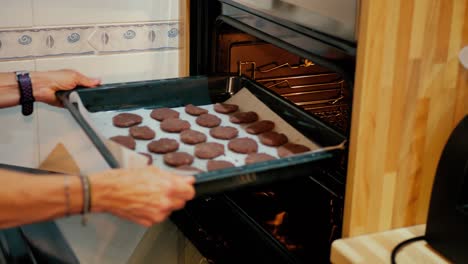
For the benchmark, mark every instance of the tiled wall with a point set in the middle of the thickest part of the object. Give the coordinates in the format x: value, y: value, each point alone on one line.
x: 116, y: 40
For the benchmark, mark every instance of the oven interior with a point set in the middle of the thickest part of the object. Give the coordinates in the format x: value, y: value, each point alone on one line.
x: 293, y: 221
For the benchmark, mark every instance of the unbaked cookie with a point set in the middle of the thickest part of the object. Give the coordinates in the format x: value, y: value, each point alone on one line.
x: 163, y: 145
x: 209, y: 150
x: 273, y: 139
x: 212, y: 165
x: 258, y: 157
x: 289, y: 149
x: 243, y: 145
x: 195, y: 110
x: 224, y: 132
x: 142, y: 132
x: 163, y: 113
x: 192, y: 137
x: 225, y: 108
x: 176, y: 159
x: 260, y: 127
x: 174, y: 125
x: 208, y: 120
x: 244, y: 117
x: 126, y: 120
x: 126, y: 141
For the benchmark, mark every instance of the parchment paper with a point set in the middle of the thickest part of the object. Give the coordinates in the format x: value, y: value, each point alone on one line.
x: 102, y: 124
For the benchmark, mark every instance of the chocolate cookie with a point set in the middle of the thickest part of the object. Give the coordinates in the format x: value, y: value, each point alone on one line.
x: 208, y: 120
x: 289, y: 149
x: 224, y: 132
x: 142, y: 132
x: 150, y: 158
x: 225, y: 108
x: 174, y: 125
x: 192, y: 137
x: 176, y: 159
x: 163, y: 113
x: 212, y: 165
x: 244, y: 117
x: 260, y: 127
x: 209, y: 150
x: 126, y: 120
x: 126, y: 141
x: 189, y: 168
x: 273, y: 139
x: 195, y: 110
x: 163, y: 145
x: 258, y: 157
x: 243, y: 145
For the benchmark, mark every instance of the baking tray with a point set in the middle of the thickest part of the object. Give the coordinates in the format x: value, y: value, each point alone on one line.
x: 204, y: 90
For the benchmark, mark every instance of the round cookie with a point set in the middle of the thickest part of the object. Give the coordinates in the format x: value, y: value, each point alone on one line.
x: 243, y: 145
x: 189, y: 168
x: 224, y: 132
x: 209, y: 150
x: 208, y: 120
x: 163, y: 113
x: 192, y: 137
x: 212, y: 165
x: 195, y: 110
x: 126, y: 141
x: 243, y: 117
x: 174, y: 125
x: 150, y: 158
x: 258, y: 157
x: 289, y: 149
x: 176, y: 159
x: 225, y: 108
x: 273, y: 139
x: 260, y: 127
x: 142, y: 132
x: 163, y: 145
x: 126, y: 120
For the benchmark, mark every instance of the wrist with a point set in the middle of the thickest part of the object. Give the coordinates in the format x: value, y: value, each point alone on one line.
x: 40, y: 83
x: 102, y: 188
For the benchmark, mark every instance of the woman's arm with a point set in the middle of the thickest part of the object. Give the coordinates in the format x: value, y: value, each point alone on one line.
x: 145, y: 196
x: 44, y: 84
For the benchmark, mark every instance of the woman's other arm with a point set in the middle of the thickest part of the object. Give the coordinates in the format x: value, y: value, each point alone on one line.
x: 144, y: 196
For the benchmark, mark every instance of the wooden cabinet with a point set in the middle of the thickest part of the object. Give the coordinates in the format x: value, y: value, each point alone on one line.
x: 410, y: 92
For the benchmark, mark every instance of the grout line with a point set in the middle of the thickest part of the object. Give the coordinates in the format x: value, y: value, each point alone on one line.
x: 33, y: 13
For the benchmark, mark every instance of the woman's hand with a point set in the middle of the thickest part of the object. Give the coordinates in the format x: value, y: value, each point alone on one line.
x: 45, y: 84
x: 145, y: 196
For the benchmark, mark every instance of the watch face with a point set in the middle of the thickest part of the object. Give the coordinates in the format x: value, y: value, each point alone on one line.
x: 20, y: 73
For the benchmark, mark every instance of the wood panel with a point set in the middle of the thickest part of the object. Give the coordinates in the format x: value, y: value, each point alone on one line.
x: 410, y: 92
x: 376, y: 248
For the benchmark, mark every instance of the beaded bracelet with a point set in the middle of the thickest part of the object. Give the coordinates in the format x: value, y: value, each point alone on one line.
x: 67, y: 195
x: 86, y: 198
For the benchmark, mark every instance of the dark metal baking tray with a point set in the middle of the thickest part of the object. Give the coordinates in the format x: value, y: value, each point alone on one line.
x: 202, y: 90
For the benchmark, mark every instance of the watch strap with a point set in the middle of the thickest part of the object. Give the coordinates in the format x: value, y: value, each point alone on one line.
x: 26, y: 93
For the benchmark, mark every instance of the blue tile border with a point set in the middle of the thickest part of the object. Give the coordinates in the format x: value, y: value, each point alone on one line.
x: 85, y: 40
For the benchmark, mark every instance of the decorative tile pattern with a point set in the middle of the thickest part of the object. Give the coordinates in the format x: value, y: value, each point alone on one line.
x: 139, y: 37
x: 61, y: 41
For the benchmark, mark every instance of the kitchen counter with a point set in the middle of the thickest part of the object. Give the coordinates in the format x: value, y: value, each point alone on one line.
x: 377, y: 247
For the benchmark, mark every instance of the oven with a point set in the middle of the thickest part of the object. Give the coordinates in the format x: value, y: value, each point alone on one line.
x: 305, y: 52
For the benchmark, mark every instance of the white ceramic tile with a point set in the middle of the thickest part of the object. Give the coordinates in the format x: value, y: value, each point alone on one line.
x: 16, y: 13
x: 60, y: 12
x: 18, y: 135
x: 119, y: 67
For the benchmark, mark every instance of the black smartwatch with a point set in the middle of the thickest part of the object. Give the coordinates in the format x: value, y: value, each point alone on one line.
x: 26, y: 92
